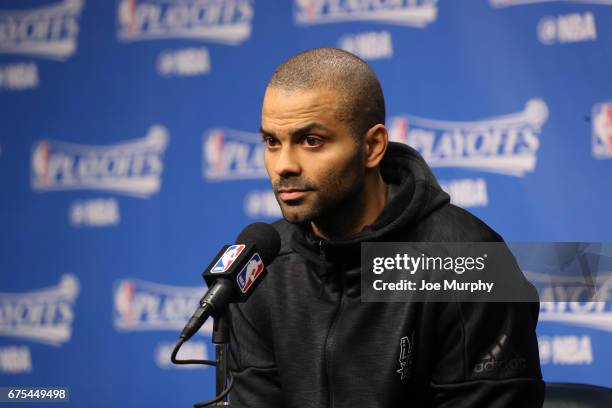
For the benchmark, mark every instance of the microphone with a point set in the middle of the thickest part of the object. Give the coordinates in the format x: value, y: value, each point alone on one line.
x: 235, y: 273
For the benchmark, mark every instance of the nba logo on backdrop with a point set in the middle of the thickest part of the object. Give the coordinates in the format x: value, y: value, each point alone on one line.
x: 43, y: 315
x: 414, y: 13
x: 229, y: 154
x: 132, y: 167
x: 48, y: 31
x: 227, y: 259
x: 508, y: 3
x: 565, y: 350
x: 506, y: 144
x: 145, y: 306
x: 602, y: 130
x: 225, y: 21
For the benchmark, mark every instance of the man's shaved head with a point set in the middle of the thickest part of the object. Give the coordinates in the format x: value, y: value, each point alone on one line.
x: 361, y: 99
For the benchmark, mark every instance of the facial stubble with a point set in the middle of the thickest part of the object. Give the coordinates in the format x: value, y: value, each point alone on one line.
x: 333, y: 197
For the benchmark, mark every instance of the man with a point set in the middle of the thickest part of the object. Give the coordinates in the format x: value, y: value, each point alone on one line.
x: 305, y: 339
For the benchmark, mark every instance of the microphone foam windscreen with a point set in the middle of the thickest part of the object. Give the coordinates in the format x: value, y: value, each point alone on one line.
x: 264, y: 237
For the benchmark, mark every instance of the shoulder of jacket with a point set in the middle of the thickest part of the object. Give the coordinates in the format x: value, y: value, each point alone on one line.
x: 454, y: 224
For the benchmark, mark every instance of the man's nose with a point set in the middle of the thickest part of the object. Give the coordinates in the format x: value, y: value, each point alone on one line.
x: 287, y: 162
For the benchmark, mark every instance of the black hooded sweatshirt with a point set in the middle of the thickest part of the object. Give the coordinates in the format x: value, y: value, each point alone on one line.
x: 305, y: 340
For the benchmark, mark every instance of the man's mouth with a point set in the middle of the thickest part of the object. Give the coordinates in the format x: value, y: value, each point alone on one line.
x: 291, y: 194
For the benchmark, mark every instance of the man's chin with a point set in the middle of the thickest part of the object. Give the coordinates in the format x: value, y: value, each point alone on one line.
x: 295, y: 216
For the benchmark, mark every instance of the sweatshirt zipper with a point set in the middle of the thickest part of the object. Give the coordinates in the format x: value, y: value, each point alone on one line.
x: 327, y: 346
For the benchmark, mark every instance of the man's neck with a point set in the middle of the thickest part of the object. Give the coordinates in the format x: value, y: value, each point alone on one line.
x: 359, y: 213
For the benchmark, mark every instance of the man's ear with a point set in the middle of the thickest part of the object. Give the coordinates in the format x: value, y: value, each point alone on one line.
x: 375, y: 145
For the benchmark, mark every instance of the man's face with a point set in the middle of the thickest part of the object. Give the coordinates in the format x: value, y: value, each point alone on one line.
x: 314, y: 163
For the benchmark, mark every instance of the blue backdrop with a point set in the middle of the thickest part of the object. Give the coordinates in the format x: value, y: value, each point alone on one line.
x: 129, y: 154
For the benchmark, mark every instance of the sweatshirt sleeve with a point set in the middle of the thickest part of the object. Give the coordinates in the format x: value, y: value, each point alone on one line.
x: 252, y: 364
x: 488, y: 356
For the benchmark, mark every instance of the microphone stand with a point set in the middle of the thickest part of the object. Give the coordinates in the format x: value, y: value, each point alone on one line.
x: 220, y: 338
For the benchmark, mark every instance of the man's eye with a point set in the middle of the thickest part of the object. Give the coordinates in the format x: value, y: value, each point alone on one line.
x: 312, y: 141
x: 270, y: 141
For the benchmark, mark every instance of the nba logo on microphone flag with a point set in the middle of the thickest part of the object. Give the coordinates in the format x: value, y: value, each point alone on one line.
x: 227, y: 259
x: 249, y: 273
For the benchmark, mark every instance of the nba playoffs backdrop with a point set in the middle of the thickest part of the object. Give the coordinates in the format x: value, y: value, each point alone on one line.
x: 129, y: 155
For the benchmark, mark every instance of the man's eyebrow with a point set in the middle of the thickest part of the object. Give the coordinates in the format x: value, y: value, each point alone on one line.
x: 263, y: 133
x: 310, y: 127
x: 299, y: 131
